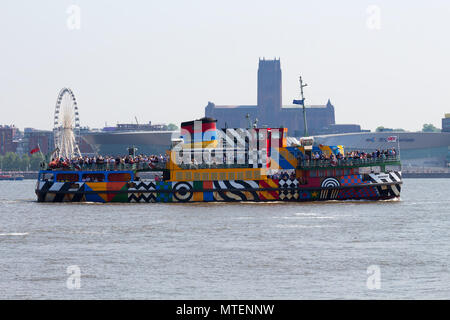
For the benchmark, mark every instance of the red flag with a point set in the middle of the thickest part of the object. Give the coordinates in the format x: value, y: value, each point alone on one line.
x: 34, y: 150
x: 392, y: 139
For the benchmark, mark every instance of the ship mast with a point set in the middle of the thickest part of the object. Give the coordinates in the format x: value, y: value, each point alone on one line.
x: 303, y: 103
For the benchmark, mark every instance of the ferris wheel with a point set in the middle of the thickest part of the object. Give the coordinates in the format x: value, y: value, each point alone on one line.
x: 66, y: 128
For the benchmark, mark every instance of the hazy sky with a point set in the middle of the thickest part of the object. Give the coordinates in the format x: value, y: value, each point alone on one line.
x: 164, y: 60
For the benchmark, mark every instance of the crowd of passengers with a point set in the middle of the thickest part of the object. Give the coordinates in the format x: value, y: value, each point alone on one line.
x: 351, y: 155
x: 282, y: 175
x: 99, y: 162
x: 356, y: 154
x: 152, y: 161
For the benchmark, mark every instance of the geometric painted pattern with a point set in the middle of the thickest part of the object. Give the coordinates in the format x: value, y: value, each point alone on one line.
x: 330, y: 183
x: 268, y: 195
x: 237, y: 190
x: 358, y: 193
x: 345, y: 187
x: 289, y: 190
x: 352, y: 180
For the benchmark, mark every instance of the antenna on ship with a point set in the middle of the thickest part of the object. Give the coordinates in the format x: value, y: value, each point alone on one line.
x: 248, y: 120
x: 302, y: 102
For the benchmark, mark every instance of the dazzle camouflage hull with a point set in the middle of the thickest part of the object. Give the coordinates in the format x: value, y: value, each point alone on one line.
x: 381, y: 186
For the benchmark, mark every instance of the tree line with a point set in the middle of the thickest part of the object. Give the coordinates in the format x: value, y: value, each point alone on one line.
x: 13, y: 162
x: 427, y: 127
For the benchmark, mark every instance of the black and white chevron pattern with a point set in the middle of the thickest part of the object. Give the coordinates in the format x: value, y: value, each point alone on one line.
x: 386, y: 177
x: 142, y: 197
x: 142, y: 187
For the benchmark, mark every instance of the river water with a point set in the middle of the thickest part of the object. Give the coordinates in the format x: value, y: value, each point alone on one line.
x: 333, y: 250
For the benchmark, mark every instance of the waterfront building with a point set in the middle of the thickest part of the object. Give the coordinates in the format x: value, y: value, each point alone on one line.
x: 446, y: 123
x: 7, y: 135
x: 33, y: 138
x: 271, y: 112
x: 148, y: 138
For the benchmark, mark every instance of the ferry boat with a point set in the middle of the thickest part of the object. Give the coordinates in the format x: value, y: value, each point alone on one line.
x: 230, y: 165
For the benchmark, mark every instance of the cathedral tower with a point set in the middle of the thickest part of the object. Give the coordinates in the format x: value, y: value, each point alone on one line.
x: 269, y: 92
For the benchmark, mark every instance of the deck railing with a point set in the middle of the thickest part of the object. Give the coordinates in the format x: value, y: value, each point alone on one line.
x: 140, y: 166
x: 158, y: 166
x: 308, y: 164
x: 213, y: 166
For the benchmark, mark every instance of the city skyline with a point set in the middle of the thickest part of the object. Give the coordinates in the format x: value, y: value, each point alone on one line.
x: 381, y: 64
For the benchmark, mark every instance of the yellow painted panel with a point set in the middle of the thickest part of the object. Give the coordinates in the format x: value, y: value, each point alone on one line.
x: 218, y: 174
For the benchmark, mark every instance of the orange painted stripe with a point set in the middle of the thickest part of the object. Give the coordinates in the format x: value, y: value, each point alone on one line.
x: 198, y: 196
x: 268, y: 195
x: 288, y: 156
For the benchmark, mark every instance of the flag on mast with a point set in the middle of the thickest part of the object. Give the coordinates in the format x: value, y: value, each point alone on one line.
x: 34, y: 150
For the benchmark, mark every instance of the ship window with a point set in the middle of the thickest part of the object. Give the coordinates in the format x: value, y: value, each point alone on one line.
x: 188, y: 175
x: 240, y: 176
x: 248, y: 174
x: 179, y: 176
x: 365, y: 170
x: 214, y: 176
x: 257, y: 174
x: 47, y: 177
x: 376, y: 169
x: 322, y: 173
x: 119, y: 177
x: 313, y: 173
x: 346, y: 172
x: 231, y: 176
x: 223, y: 176
x: 196, y: 176
x: 93, y: 177
x: 67, y: 177
x: 205, y: 176
x: 393, y: 168
x: 339, y: 172
x: 330, y: 172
